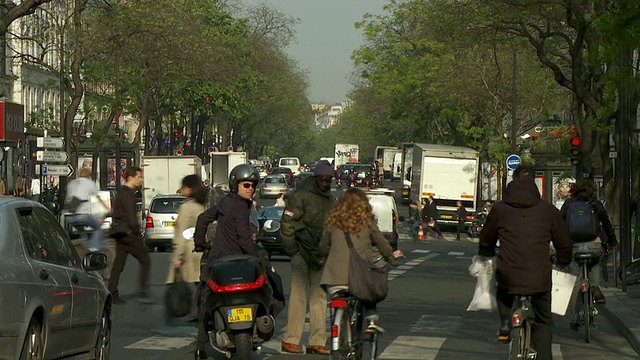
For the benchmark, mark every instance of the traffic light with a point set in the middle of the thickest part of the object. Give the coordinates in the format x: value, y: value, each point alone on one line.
x: 575, y: 153
x: 176, y: 136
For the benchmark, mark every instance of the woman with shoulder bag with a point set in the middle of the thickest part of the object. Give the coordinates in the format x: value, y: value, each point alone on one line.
x: 352, y: 220
x: 185, y: 263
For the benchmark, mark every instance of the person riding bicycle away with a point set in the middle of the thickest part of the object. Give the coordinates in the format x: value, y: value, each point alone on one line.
x: 525, y: 225
x: 584, y: 215
x: 233, y: 236
x: 353, y: 215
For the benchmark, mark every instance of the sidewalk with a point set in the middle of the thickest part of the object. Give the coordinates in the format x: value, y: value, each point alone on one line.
x: 623, y: 311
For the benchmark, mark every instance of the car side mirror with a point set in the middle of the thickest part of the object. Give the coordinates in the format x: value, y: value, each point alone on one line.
x: 94, y: 261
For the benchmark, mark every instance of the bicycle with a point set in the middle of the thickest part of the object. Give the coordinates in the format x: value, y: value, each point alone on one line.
x: 585, y: 305
x: 348, y: 339
x: 520, y: 345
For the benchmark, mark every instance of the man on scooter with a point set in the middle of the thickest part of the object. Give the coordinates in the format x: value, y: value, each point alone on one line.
x: 233, y: 235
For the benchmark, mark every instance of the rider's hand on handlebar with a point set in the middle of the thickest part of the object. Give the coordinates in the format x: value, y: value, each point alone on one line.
x: 398, y: 254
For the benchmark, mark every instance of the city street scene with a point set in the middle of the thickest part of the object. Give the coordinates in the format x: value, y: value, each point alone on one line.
x: 352, y: 180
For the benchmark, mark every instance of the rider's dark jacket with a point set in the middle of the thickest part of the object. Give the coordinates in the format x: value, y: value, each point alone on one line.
x: 525, y: 226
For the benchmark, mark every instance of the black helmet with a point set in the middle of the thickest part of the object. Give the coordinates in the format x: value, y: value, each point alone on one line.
x: 242, y: 172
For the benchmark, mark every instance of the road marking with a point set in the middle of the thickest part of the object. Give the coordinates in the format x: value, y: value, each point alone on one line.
x: 421, y: 251
x: 397, y: 272
x: 455, y: 253
x: 413, y: 348
x: 556, y: 351
x: 161, y: 343
x: 404, y: 267
x: 404, y: 237
x: 430, y: 256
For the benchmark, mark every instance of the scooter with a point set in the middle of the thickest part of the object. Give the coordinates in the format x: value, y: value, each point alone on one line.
x: 236, y: 304
x: 476, y: 225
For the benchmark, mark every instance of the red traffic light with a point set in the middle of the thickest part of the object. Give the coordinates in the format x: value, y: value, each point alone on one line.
x: 176, y: 134
x: 575, y: 141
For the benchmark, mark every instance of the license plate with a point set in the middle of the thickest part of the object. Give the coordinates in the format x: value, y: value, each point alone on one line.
x: 239, y: 315
x: 169, y: 223
x: 447, y: 216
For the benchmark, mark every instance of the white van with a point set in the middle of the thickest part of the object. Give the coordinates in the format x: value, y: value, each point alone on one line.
x: 386, y: 213
x: 292, y: 163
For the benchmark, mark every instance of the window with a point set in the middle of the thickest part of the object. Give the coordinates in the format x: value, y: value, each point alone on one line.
x: 166, y: 205
x: 44, y: 238
x: 274, y: 180
x: 289, y: 162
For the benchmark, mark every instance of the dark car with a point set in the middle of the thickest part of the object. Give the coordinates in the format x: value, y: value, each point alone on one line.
x: 269, y: 229
x: 302, y: 177
x: 363, y: 174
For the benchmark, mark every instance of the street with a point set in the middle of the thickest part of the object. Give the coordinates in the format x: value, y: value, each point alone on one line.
x: 424, y: 315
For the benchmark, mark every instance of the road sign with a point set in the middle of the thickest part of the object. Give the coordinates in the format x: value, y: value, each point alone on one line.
x: 211, y: 149
x: 513, y: 161
x: 179, y: 152
x: 230, y: 148
x: 53, y: 156
x: 50, y: 142
x: 61, y: 170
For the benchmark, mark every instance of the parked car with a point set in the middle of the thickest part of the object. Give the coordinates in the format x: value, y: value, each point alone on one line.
x: 53, y: 303
x: 386, y: 213
x: 160, y: 221
x: 269, y: 229
x: 273, y: 186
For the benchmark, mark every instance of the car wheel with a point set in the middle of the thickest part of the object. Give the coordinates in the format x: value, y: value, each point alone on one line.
x: 103, y: 341
x: 33, y: 346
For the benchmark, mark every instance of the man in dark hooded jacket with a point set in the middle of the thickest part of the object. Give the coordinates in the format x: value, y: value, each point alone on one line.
x: 302, y: 226
x: 525, y: 226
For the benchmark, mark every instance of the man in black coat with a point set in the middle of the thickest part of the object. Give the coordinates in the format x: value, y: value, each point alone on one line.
x: 526, y: 225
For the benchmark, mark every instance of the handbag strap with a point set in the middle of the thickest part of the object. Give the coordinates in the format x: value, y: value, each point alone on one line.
x: 349, y: 242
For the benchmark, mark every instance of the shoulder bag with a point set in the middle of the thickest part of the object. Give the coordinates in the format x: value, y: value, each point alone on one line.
x: 367, y: 282
x: 178, y: 298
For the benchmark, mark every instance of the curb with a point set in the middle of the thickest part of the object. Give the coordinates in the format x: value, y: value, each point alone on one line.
x: 615, y: 317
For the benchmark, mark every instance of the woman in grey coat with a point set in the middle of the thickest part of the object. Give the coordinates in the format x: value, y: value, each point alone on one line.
x: 353, y: 215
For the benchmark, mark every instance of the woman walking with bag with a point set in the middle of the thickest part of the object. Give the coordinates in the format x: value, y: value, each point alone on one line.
x: 185, y: 263
x: 352, y: 220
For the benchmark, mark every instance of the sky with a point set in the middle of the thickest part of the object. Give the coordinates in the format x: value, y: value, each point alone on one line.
x: 325, y: 39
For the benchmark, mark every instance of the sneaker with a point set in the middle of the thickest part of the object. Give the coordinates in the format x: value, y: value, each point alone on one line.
x: 598, y: 295
x: 291, y: 348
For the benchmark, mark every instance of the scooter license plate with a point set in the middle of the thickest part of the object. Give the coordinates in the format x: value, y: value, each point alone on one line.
x: 239, y: 315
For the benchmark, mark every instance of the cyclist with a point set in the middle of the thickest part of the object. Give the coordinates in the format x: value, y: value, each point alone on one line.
x: 525, y: 226
x: 352, y: 215
x: 585, y: 229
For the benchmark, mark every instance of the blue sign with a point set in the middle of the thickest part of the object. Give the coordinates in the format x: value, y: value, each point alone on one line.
x: 513, y: 161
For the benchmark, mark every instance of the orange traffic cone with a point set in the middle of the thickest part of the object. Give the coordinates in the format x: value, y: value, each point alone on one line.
x: 420, y: 233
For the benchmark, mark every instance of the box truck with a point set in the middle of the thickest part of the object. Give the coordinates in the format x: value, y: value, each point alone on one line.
x: 221, y: 165
x: 163, y: 174
x: 447, y: 173
x: 345, y: 153
x: 384, y: 156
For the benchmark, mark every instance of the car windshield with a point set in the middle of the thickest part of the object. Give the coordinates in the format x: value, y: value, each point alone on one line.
x: 281, y: 171
x: 288, y: 162
x: 274, y: 180
x: 166, y: 205
x: 271, y: 213
x: 362, y: 168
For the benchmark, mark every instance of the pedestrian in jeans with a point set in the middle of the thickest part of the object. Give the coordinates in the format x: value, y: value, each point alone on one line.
x: 585, y: 191
x: 83, y: 189
x: 302, y: 227
x: 461, y: 212
x: 526, y: 226
x: 129, y: 240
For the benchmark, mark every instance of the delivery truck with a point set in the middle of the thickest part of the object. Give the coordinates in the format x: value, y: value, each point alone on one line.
x: 345, y: 153
x: 222, y: 163
x: 384, y: 155
x: 163, y: 174
x: 447, y: 173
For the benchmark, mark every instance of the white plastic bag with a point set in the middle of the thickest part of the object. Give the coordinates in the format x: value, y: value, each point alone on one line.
x: 563, y: 284
x: 484, y: 298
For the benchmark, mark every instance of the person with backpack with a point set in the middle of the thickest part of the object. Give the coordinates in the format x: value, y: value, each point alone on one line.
x: 586, y: 218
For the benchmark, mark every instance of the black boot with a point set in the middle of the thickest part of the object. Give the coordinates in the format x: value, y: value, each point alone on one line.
x: 598, y: 296
x: 200, y: 355
x: 504, y: 333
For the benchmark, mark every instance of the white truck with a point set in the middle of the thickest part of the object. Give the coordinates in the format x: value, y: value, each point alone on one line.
x: 384, y: 156
x: 396, y: 173
x: 163, y: 174
x: 221, y: 165
x: 345, y: 153
x: 449, y: 174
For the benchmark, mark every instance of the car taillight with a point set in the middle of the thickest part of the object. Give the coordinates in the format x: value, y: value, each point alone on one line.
x: 264, y: 186
x: 470, y: 217
x: 237, y: 287
x: 338, y: 303
x: 149, y: 223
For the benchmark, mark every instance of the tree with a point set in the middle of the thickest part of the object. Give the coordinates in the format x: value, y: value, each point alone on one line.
x: 10, y: 12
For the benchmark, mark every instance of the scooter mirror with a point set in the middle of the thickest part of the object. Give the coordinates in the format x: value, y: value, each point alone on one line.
x: 189, y: 233
x: 271, y: 225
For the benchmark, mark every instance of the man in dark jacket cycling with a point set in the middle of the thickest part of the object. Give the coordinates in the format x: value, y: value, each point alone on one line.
x: 525, y: 226
x: 584, y: 190
x: 234, y: 234
x: 302, y: 227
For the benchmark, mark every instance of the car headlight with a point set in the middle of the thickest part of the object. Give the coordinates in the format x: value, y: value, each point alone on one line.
x: 271, y: 225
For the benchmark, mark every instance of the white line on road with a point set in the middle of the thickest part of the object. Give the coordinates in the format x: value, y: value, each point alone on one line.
x: 397, y: 272
x: 421, y: 251
x: 430, y: 256
x: 161, y: 343
x: 413, y: 348
x: 455, y: 253
x: 404, y: 267
x: 556, y: 351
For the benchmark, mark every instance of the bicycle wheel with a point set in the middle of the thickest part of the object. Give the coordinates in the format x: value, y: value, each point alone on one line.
x: 633, y: 272
x: 586, y: 315
x: 343, y: 338
x: 517, y: 346
x: 370, y: 345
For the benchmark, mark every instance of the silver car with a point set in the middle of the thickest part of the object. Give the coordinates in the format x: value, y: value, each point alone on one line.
x: 161, y: 217
x: 273, y: 185
x: 53, y: 303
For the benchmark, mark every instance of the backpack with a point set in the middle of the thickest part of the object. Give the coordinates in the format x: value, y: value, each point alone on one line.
x: 582, y: 221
